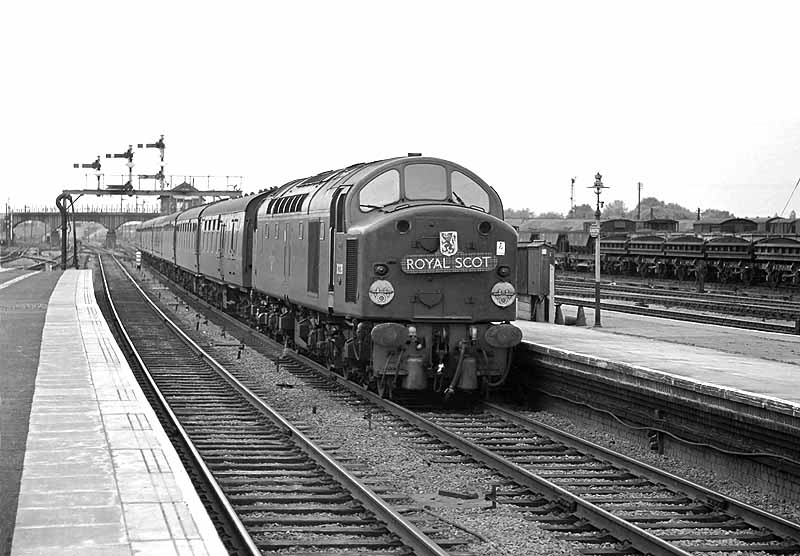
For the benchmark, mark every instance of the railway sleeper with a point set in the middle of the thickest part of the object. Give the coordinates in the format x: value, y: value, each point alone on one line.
x: 730, y: 525
x: 349, y: 508
x: 309, y: 498
x: 273, y: 544
x: 307, y: 520
x: 768, y: 548
x: 752, y: 537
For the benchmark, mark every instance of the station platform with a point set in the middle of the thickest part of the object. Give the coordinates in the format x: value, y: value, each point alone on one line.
x: 99, y: 474
x: 762, y: 368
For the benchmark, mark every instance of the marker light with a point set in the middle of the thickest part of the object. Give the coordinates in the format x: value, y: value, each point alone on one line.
x: 503, y: 294
x: 381, y: 292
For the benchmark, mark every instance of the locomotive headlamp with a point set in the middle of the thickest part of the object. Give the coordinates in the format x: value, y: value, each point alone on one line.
x: 381, y: 292
x: 380, y: 269
x: 504, y: 271
x: 503, y: 294
x: 485, y: 227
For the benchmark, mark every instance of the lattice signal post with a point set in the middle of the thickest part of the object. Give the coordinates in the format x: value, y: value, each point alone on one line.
x: 65, y: 200
x: 161, y: 146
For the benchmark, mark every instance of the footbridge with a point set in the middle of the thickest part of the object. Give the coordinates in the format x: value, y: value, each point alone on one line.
x: 110, y: 220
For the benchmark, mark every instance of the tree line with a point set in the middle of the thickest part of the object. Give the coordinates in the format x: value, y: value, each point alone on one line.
x: 650, y: 208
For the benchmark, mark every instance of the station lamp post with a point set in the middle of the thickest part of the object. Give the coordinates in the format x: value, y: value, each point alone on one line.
x: 595, y: 232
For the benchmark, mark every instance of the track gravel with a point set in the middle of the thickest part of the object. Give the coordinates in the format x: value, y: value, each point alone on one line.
x: 382, y: 455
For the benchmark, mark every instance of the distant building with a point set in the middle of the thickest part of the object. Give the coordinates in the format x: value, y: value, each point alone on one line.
x: 726, y: 226
x: 657, y: 225
x: 175, y: 202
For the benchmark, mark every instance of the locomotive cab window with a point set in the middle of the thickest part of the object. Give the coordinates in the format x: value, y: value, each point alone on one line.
x: 381, y: 191
x: 425, y: 182
x: 468, y: 193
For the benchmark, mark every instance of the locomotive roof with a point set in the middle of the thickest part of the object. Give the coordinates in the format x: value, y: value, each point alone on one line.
x: 328, y: 177
x: 316, y: 192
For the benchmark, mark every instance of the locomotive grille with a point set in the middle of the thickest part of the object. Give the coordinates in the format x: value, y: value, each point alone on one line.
x: 351, y: 270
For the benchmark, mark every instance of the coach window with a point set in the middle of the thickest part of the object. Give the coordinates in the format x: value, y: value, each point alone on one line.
x: 467, y: 192
x: 381, y: 191
x: 425, y: 181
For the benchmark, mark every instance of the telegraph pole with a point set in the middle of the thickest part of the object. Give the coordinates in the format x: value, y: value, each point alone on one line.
x: 639, y: 204
x: 572, y: 198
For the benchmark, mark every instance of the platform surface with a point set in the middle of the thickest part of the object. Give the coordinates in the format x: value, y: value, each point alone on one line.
x: 762, y: 363
x: 99, y: 475
x: 23, y: 305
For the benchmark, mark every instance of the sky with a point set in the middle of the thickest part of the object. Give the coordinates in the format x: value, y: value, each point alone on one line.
x: 696, y: 100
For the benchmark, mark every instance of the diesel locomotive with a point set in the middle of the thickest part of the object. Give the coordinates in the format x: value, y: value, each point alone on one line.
x: 396, y: 273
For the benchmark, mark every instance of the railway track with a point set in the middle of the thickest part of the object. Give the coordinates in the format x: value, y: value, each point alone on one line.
x: 654, y: 511
x: 755, y: 292
x: 15, y: 254
x: 607, y: 502
x: 679, y: 315
x: 278, y: 490
x: 739, y: 304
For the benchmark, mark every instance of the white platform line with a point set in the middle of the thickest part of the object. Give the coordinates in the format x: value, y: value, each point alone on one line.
x: 17, y: 279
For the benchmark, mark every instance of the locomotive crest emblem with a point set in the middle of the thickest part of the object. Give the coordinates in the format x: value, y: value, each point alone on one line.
x: 448, y: 243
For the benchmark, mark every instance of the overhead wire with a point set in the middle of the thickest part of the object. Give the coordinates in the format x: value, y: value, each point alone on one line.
x: 790, y: 197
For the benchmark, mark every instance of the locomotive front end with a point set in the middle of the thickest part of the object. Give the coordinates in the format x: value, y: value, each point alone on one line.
x: 437, y: 266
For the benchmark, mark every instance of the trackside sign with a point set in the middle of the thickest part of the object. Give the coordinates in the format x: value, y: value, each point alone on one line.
x: 460, y: 262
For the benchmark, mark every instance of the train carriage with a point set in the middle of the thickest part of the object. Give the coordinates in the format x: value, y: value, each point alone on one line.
x: 614, y: 252
x: 683, y: 254
x: 648, y: 254
x: 729, y: 258
x: 225, y: 253
x: 778, y: 258
x: 187, y: 238
x: 158, y: 238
